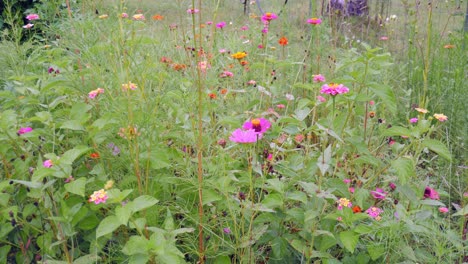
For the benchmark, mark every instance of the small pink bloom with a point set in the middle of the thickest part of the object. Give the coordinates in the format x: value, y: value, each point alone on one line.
x: 222, y: 51
x: 318, y: 78
x: 192, y: 11
x: 374, y: 212
x: 24, y: 130
x: 413, y: 120
x: 69, y: 179
x: 339, y: 218
x: 32, y: 17
x: 265, y: 30
x: 225, y: 74
x: 227, y: 230
x: 321, y: 99
x: 351, y: 189
x: 314, y: 21
x: 334, y: 89
x: 244, y: 28
x: 431, y: 193
x: 270, y: 156
x: 124, y: 15
x: 95, y: 93
x: 371, y: 103
x: 28, y: 26
x: 98, y: 197
x: 280, y: 106
x: 392, y: 186
x: 347, y: 181
x: 203, y: 66
x: 251, y: 82
x: 139, y: 17
x: 378, y: 193
x: 260, y: 46
x: 209, y: 23
x: 443, y: 209
x: 47, y: 163
x: 384, y: 38
x: 441, y: 117
x: 221, y: 25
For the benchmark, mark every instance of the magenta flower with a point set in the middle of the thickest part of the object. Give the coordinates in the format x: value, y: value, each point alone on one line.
x: 244, y: 28
x: 24, y: 130
x: 267, y: 17
x: 265, y: 30
x: 314, y: 21
x: 227, y: 230
x: 413, y: 120
x: 221, y: 25
x: 47, y: 163
x: 245, y: 136
x: 334, y: 89
x: 431, y: 193
x: 347, y: 181
x: 378, y: 193
x: 192, y: 11
x: 32, y: 17
x: 392, y: 186
x: 95, y: 93
x: 259, y: 125
x: 209, y: 23
x: 318, y: 78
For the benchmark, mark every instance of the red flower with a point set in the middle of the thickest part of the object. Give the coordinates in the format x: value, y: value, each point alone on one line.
x: 94, y: 155
x: 357, y: 209
x: 283, y: 41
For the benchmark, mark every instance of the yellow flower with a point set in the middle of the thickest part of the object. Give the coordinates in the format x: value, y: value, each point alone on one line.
x: 422, y: 110
x: 440, y: 117
x: 239, y: 55
x: 109, y: 184
x: 103, y: 16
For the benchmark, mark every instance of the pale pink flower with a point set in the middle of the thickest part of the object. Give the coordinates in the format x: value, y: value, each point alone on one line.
x: 227, y: 230
x: 244, y: 28
x: 48, y: 163
x: 32, y: 17
x: 28, y: 26
x: 209, y: 23
x: 203, y: 66
x: 129, y: 85
x: 280, y: 106
x: 251, y: 82
x: 318, y: 78
x: 351, y: 189
x: 95, y: 93
x: 192, y: 11
x: 222, y: 51
x: 347, y: 181
x: 24, y: 130
x: 124, y: 15
x: 98, y: 197
x: 378, y: 193
x: 139, y: 17
x: 443, y: 209
x: 321, y: 99
x: 441, y: 117
x: 314, y: 21
x: 371, y: 102
x: 289, y: 97
x: 225, y: 74
x: 384, y: 38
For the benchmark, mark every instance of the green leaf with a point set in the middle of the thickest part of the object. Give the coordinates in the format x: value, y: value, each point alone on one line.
x: 438, y: 147
x: 123, y: 214
x: 432, y: 202
x: 222, y: 260
x: 4, y: 253
x: 77, y: 186
x: 461, y: 212
x: 72, y: 125
x: 375, y: 251
x: 405, y: 168
x: 136, y: 245
x: 87, y: 259
x: 210, y: 196
x: 168, y: 222
x: 107, y: 225
x: 71, y: 155
x: 141, y: 203
x: 279, y: 247
x: 349, y: 240
x: 386, y: 94
x: 396, y: 131
x: 32, y: 185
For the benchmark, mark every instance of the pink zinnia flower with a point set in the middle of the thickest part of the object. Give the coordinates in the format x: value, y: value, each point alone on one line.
x: 47, y: 163
x: 351, y: 189
x: 95, y: 93
x: 314, y: 21
x: 251, y: 82
x: 24, y: 130
x: 28, y: 26
x: 431, y: 193
x: 245, y: 136
x: 32, y: 17
x: 378, y: 193
x: 124, y: 15
x: 384, y: 38
x: 139, y: 17
x: 374, y: 212
x: 203, y: 66
x: 318, y: 78
x: 443, y: 209
x: 98, y: 197
x: 209, y: 23
x: 413, y: 120
x: 280, y: 106
x: 259, y: 125
x: 265, y: 30
x: 334, y: 89
x: 441, y: 117
x: 221, y: 25
x: 244, y: 28
x: 267, y: 17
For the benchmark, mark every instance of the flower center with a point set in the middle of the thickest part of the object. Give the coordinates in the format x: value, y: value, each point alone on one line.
x: 268, y: 15
x: 256, y: 125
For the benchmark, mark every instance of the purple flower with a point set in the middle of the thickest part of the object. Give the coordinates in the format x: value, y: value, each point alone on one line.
x: 114, y: 148
x: 378, y: 193
x: 392, y: 186
x: 245, y: 136
x: 221, y: 24
x: 259, y: 125
x: 334, y: 89
x: 431, y: 193
x: 227, y: 230
x: 318, y: 78
x: 24, y: 130
x: 413, y: 120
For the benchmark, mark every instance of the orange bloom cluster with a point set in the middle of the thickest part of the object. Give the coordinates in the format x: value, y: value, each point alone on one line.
x: 283, y: 41
x: 157, y: 17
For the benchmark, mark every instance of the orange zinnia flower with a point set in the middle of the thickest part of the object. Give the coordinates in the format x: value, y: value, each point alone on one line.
x: 449, y: 46
x: 94, y: 155
x: 212, y: 95
x: 357, y: 209
x: 283, y: 41
x: 157, y: 17
x: 224, y: 91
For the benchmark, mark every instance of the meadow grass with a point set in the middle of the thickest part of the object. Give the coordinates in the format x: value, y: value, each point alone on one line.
x: 179, y: 187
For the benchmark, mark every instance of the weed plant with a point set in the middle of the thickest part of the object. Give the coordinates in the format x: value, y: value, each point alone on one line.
x: 190, y: 132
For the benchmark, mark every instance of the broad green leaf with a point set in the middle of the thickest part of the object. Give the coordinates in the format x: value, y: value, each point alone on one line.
x: 136, y: 245
x: 123, y: 214
x: 438, y: 147
x: 77, y: 186
x: 33, y: 185
x: 375, y: 251
x: 222, y: 260
x: 141, y: 203
x: 396, y: 131
x: 210, y: 196
x: 432, y: 202
x: 71, y: 155
x: 4, y: 253
x: 349, y: 240
x: 169, y: 221
x: 40, y: 173
x: 275, y: 184
x: 461, y: 212
x: 405, y: 168
x: 87, y: 259
x: 107, y: 225
x: 279, y: 247
x: 4, y: 199
x: 387, y: 96
x: 138, y: 258
x: 79, y: 112
x: 302, y: 114
x: 273, y: 200
x: 72, y: 125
